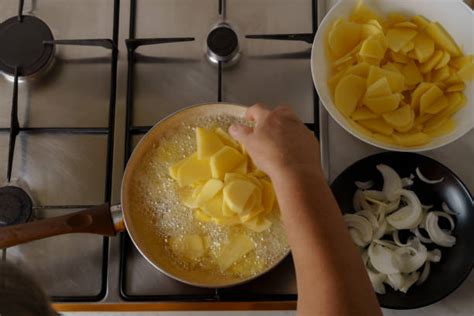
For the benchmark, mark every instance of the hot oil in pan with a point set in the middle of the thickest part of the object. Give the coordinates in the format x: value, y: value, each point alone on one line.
x: 157, y: 193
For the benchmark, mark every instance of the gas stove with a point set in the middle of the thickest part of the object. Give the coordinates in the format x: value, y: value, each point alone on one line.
x: 82, y: 81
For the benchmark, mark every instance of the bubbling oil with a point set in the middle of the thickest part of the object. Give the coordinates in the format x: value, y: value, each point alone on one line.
x: 155, y: 192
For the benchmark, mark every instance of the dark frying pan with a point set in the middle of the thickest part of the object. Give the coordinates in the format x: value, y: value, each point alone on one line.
x: 456, y: 262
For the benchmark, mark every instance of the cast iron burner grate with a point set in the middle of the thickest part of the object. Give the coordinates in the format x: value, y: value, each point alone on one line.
x: 15, y: 206
x: 22, y: 45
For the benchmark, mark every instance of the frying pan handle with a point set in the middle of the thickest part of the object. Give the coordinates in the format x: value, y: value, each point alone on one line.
x: 96, y: 220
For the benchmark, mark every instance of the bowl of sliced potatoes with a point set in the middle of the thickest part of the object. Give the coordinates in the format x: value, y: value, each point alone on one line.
x: 397, y: 74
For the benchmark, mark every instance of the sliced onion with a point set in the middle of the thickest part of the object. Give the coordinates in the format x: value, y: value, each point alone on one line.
x: 382, y: 258
x: 446, y: 208
x: 406, y: 182
x: 408, y: 216
x: 375, y: 194
x: 362, y: 227
x: 448, y: 217
x: 369, y: 215
x: 397, y: 241
x: 408, y: 281
x: 437, y: 235
x: 422, y: 238
x: 424, y: 274
x: 392, y: 206
x: 364, y: 185
x: 392, y: 184
x: 434, y: 255
x: 365, y: 256
x: 381, y: 230
x: 426, y: 207
x: 410, y: 259
x: 395, y: 280
x: 425, y: 179
x: 377, y: 280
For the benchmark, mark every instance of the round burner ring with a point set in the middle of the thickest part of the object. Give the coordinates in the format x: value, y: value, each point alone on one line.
x: 15, y: 206
x: 22, y: 45
x: 222, y: 44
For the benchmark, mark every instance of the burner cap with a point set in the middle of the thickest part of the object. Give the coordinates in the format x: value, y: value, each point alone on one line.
x: 15, y: 206
x: 222, y: 43
x: 21, y: 45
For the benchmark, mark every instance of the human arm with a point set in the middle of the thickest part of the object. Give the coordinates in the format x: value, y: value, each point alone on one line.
x: 330, y: 274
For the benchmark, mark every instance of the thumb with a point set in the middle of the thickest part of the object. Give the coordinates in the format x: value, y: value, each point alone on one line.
x: 240, y: 132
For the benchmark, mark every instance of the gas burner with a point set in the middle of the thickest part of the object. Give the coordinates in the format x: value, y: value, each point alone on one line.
x: 223, y: 45
x: 22, y: 45
x: 15, y: 206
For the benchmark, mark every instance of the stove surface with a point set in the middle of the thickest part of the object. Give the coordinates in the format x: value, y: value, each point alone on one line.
x: 115, y: 72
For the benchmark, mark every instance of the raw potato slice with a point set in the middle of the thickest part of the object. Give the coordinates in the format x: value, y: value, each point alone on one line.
x: 420, y: 21
x: 213, y: 207
x: 424, y: 47
x: 400, y: 117
x: 379, y: 88
x: 369, y: 30
x: 363, y: 14
x: 395, y: 79
x: 456, y: 87
x: 399, y: 37
x: 406, y: 24
x: 363, y: 114
x: 190, y: 247
x: 226, y: 210
x: 361, y: 70
x: 466, y: 73
x: 225, y: 160
x: 378, y: 126
x: 429, y: 98
x: 374, y: 47
x: 242, y: 168
x: 408, y: 47
x: 193, y: 170
x: 411, y: 139
x: 399, y: 58
x: 440, y: 74
x: 201, y: 216
x: 173, y: 170
x: 412, y: 74
x: 238, y: 247
x: 208, y: 143
x: 442, y: 38
x: 445, y: 128
x: 334, y: 80
x: 361, y: 129
x: 237, y: 193
x: 208, y: 191
x: 444, y: 60
x: 343, y: 37
x: 427, y: 66
x: 348, y: 92
x: 440, y: 104
x: 409, y: 125
x: 460, y: 62
x: 384, y: 139
x: 258, y: 224
x: 395, y: 67
x: 226, y: 139
x: 227, y: 221
x: 418, y: 92
x: 383, y: 104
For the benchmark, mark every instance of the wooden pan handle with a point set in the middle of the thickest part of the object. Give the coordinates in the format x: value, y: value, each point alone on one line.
x: 96, y: 220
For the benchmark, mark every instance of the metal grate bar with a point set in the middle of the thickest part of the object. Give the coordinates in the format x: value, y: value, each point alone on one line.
x: 305, y: 37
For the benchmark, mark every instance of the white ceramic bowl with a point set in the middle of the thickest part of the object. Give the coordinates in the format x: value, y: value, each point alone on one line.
x: 456, y: 17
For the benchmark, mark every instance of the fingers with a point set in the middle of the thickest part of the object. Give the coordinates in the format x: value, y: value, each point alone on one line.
x: 240, y: 132
x: 256, y: 112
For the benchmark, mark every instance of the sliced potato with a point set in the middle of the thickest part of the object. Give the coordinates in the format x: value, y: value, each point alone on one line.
x: 424, y: 47
x: 208, y: 143
x: 427, y: 66
x: 193, y: 170
x: 237, y: 247
x: 399, y: 37
x: 442, y: 38
x: 400, y: 117
x: 348, y: 92
x: 237, y: 193
x: 383, y: 104
x: 377, y: 126
x: 379, y: 88
x: 429, y: 98
x: 445, y: 128
x: 363, y: 113
x: 412, y: 74
x: 343, y: 37
x: 411, y: 139
x: 225, y: 160
x: 395, y: 79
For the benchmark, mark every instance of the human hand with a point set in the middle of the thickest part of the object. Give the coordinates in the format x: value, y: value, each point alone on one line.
x: 279, y: 142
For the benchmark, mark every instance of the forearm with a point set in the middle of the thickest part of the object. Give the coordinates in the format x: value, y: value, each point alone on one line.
x: 328, y: 265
